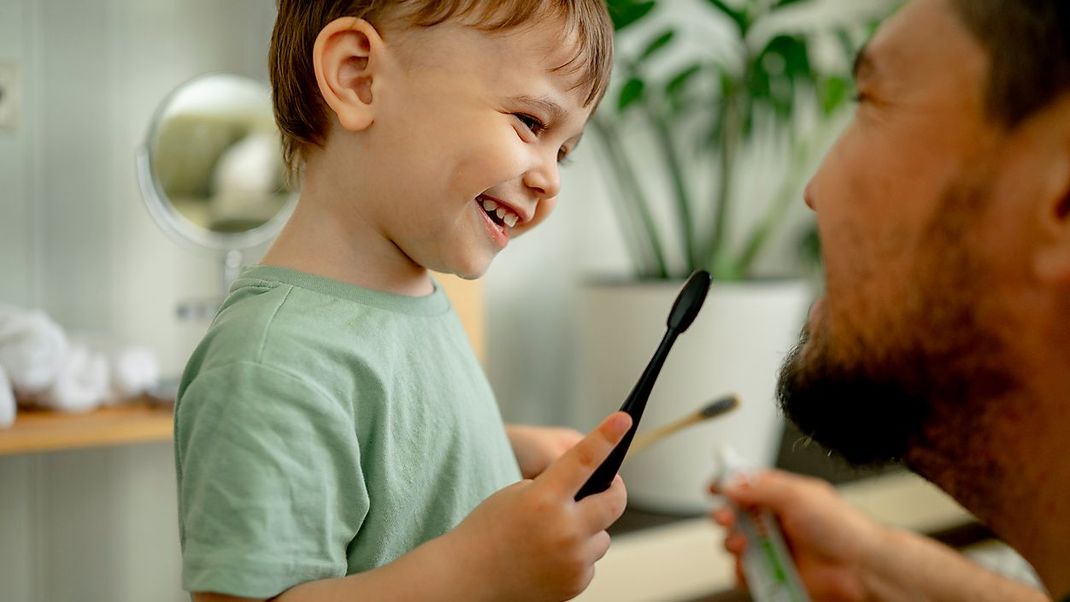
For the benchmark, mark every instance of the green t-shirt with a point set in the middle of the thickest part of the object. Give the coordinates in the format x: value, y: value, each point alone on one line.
x: 322, y: 430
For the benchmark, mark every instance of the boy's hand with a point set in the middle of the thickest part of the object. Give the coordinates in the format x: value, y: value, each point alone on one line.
x: 532, y: 540
x: 536, y: 448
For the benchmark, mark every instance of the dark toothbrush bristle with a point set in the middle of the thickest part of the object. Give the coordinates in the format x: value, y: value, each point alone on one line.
x: 689, y: 301
x: 720, y: 406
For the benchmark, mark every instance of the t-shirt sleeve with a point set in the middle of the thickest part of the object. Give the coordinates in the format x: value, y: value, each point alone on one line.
x: 271, y: 491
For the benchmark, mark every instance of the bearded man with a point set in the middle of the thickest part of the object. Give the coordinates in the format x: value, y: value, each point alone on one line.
x: 943, y: 337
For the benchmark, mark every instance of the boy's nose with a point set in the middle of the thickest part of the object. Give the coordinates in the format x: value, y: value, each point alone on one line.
x: 544, y: 178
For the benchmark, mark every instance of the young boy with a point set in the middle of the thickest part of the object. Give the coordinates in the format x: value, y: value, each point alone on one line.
x: 335, y: 437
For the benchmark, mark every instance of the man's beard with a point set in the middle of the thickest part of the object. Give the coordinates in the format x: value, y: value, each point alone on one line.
x: 926, y: 386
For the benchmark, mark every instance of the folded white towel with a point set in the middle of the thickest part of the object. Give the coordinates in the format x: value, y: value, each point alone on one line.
x: 45, y: 368
x: 32, y: 348
x: 7, y: 401
x: 82, y: 384
x: 135, y: 370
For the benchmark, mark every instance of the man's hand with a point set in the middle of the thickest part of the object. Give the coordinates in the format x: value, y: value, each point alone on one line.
x: 532, y: 540
x: 536, y: 447
x: 844, y: 556
x: 829, y: 540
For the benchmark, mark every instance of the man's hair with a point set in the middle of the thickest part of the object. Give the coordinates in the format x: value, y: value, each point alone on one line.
x: 299, y: 109
x: 1029, y: 53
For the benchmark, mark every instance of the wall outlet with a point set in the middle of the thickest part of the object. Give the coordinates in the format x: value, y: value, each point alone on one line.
x: 10, y: 96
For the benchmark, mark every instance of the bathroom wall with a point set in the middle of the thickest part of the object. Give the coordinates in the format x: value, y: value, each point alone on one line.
x: 100, y: 525
x: 15, y: 268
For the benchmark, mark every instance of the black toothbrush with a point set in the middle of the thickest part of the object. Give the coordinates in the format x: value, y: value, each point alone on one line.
x: 684, y: 310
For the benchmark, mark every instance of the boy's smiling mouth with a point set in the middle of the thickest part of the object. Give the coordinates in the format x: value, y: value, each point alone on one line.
x: 499, y: 218
x: 500, y: 213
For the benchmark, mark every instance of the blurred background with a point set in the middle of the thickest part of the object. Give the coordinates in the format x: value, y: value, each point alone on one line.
x: 125, y: 203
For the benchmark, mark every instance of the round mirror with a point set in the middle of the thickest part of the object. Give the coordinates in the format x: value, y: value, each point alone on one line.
x: 211, y: 169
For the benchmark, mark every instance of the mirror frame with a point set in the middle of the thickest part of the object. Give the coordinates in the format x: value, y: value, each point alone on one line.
x: 164, y: 213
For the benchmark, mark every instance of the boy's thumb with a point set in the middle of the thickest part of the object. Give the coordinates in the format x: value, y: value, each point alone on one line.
x: 571, y: 471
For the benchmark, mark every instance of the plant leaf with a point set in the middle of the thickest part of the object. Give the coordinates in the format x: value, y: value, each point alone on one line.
x: 833, y: 92
x: 809, y: 246
x: 778, y: 70
x: 678, y: 83
x: 628, y: 12
x: 794, y: 54
x: 739, y: 17
x: 630, y: 93
x: 658, y: 43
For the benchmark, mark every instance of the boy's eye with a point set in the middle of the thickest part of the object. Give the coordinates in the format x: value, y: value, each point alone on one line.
x: 563, y: 157
x: 532, y: 123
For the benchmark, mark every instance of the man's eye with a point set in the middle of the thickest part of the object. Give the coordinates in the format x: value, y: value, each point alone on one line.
x: 532, y: 123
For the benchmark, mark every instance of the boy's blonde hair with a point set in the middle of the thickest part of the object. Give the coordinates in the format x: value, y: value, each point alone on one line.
x: 299, y: 109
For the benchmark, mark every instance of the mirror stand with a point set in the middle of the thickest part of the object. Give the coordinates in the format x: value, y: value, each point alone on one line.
x: 232, y: 264
x: 211, y: 173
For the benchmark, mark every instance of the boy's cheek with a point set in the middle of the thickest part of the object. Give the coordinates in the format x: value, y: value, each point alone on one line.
x: 543, y: 211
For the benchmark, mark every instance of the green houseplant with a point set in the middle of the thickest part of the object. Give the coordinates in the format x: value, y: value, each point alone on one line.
x: 678, y: 140
x: 763, y: 86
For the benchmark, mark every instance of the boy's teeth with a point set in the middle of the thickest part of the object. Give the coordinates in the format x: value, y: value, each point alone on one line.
x: 504, y: 213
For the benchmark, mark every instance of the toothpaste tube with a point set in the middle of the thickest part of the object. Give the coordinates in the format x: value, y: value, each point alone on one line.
x: 767, y: 564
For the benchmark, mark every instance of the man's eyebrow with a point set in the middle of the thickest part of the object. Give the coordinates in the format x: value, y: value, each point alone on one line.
x: 864, y: 65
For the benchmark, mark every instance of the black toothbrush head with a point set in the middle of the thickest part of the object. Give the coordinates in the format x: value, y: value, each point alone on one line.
x: 689, y: 301
x: 687, y: 305
x: 720, y: 406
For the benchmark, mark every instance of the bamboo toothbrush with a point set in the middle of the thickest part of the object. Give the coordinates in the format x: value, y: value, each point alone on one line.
x: 715, y: 408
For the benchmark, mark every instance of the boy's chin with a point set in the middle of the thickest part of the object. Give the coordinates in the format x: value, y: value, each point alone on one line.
x: 473, y: 269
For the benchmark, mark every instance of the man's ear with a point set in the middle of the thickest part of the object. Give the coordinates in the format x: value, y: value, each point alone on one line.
x: 347, y: 58
x: 1053, y: 252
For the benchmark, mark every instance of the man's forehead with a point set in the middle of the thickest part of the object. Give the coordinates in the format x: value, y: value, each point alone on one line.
x: 924, y: 47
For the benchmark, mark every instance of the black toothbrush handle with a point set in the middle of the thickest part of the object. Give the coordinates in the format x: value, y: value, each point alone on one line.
x: 633, y: 405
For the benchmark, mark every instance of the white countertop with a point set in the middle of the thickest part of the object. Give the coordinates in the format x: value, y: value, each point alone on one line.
x: 686, y: 559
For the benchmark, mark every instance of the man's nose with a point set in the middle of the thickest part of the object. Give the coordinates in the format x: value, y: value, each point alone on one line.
x: 809, y: 196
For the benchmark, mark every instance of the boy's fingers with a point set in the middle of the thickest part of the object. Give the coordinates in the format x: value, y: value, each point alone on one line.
x: 568, y: 474
x: 603, y: 509
x: 599, y: 545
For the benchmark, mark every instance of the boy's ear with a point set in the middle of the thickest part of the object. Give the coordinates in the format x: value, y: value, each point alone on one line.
x: 1053, y: 251
x: 346, y: 58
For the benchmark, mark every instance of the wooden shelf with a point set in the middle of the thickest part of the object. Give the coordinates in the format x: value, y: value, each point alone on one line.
x: 41, y: 431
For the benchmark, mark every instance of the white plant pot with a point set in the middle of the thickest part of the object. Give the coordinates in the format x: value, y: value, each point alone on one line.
x: 735, y: 346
